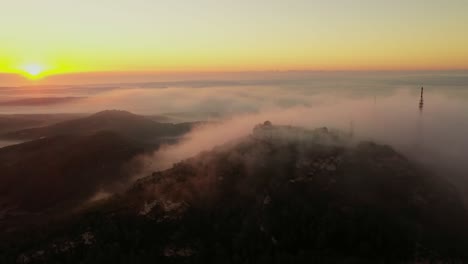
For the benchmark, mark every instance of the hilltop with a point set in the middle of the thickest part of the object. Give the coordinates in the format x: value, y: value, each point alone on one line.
x: 281, y: 194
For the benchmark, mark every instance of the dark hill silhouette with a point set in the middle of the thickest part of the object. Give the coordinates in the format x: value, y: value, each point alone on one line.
x: 44, y: 173
x: 281, y: 195
x: 14, y: 122
x: 8, y: 123
x: 122, y: 122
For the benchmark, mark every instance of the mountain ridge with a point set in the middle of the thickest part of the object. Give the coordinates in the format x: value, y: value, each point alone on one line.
x: 280, y: 194
x: 122, y: 122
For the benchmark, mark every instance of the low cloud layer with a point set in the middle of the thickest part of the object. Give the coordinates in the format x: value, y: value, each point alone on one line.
x: 40, y: 101
x: 376, y: 106
x: 435, y: 137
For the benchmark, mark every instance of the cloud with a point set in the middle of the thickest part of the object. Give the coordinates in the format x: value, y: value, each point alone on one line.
x: 40, y: 101
x: 436, y: 138
x: 378, y: 106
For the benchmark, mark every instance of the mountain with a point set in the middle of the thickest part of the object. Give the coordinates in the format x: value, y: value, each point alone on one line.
x: 63, y: 170
x: 122, y: 122
x: 66, y: 163
x: 10, y: 123
x: 281, y: 195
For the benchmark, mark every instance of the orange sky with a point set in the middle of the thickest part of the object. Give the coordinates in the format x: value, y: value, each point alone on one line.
x: 49, y: 37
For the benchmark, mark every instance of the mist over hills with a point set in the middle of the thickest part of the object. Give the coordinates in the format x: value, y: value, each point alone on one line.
x: 276, y: 194
x: 237, y: 132
x: 63, y: 164
x: 281, y: 194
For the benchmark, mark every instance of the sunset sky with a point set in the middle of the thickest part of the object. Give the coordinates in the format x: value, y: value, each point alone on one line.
x: 65, y: 36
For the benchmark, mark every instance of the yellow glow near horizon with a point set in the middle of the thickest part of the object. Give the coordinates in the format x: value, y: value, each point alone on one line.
x: 33, y: 71
x: 225, y: 35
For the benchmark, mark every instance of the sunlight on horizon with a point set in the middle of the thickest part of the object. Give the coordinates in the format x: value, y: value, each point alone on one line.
x: 233, y: 35
x: 33, y: 71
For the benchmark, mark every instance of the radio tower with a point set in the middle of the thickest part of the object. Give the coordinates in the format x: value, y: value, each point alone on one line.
x: 421, y: 101
x: 420, y: 132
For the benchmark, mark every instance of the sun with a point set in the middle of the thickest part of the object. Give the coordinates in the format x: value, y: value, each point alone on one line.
x: 33, y: 71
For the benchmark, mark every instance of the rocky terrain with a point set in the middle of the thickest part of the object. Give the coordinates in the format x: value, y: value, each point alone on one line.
x: 281, y: 195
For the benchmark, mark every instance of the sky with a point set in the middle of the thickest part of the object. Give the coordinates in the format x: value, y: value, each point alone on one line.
x: 50, y: 37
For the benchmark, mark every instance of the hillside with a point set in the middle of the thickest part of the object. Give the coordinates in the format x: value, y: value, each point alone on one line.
x: 14, y: 122
x: 281, y: 195
x: 44, y: 173
x: 9, y: 123
x: 122, y: 122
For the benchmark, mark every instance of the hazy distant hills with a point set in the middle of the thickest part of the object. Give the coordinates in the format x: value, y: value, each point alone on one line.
x: 121, y: 122
x: 65, y: 163
x: 9, y: 123
x: 38, y: 101
x: 281, y: 195
x: 70, y: 160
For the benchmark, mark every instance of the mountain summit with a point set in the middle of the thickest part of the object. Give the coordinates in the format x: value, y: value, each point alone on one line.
x: 281, y: 194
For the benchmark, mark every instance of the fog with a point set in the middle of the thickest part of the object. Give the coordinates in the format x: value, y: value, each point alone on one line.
x: 434, y: 136
x: 439, y: 131
x: 383, y: 107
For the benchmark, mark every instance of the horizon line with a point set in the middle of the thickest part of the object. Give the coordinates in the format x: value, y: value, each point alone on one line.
x: 46, y: 75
